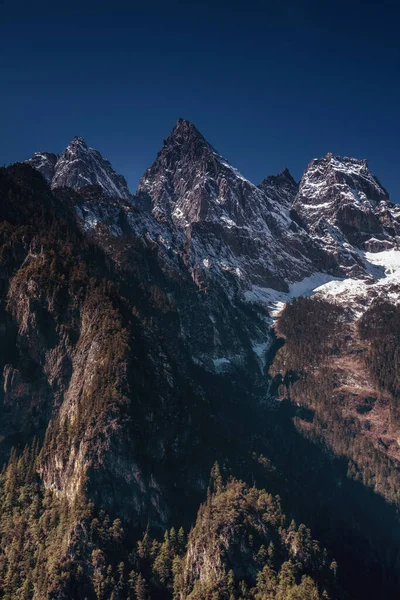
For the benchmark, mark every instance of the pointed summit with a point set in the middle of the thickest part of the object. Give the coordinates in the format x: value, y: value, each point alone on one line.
x: 186, y: 135
x: 226, y: 223
x: 187, y: 180
x: 341, y: 201
x: 288, y: 176
x: 76, y: 149
x: 45, y: 163
x: 78, y: 141
x: 284, y: 178
x: 185, y: 127
x: 185, y: 124
x: 281, y: 188
x: 79, y: 166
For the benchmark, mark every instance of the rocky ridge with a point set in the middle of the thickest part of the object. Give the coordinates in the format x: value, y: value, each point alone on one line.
x: 263, y: 244
x: 79, y: 166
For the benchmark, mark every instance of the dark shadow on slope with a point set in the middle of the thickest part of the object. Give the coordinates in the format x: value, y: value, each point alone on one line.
x: 358, y: 526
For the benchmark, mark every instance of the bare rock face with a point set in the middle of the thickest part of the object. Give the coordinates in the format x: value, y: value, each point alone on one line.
x: 233, y: 229
x: 79, y: 166
x: 45, y: 163
x: 342, y: 204
x: 197, y: 208
x: 281, y: 188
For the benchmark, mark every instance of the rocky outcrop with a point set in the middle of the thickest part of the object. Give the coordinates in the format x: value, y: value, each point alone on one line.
x: 45, y: 163
x: 234, y: 230
x: 342, y: 204
x: 79, y: 166
x: 239, y: 534
x: 281, y: 188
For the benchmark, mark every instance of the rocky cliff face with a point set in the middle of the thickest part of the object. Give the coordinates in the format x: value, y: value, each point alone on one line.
x: 104, y: 352
x: 233, y: 229
x: 45, y: 163
x: 341, y: 203
x: 281, y: 188
x: 79, y: 166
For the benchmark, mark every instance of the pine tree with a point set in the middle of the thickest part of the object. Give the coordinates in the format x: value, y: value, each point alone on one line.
x: 163, y: 563
x: 216, y: 481
x: 140, y: 588
x: 181, y: 541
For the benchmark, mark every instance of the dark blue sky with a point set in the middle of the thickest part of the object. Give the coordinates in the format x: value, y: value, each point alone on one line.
x: 270, y: 83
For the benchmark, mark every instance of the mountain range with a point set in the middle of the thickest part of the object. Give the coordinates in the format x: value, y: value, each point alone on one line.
x: 268, y: 236
x: 203, y: 324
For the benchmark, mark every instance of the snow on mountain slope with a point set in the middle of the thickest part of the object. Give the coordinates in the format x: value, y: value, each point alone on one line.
x: 275, y: 301
x: 281, y: 188
x: 45, y: 163
x: 343, y: 205
x: 79, y: 166
x: 233, y: 229
x: 357, y: 294
x: 264, y: 244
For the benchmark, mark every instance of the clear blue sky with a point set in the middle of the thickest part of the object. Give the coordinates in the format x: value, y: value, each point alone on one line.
x: 270, y: 83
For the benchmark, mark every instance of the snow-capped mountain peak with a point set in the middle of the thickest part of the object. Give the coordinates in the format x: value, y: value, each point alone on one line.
x: 79, y: 166
x: 231, y: 225
x: 341, y: 203
x: 251, y: 239
x: 340, y: 180
x: 45, y: 163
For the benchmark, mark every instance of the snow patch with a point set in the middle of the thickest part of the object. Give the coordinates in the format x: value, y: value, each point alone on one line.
x: 222, y: 364
x: 275, y: 300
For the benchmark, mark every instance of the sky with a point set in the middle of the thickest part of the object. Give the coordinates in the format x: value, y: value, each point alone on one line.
x: 269, y: 83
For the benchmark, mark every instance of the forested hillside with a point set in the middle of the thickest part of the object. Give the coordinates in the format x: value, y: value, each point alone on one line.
x: 132, y: 370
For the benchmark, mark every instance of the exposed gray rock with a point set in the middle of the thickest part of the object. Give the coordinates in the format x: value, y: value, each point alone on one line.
x: 233, y: 229
x: 197, y: 208
x: 281, y: 188
x: 45, y: 163
x: 79, y: 166
x: 340, y: 201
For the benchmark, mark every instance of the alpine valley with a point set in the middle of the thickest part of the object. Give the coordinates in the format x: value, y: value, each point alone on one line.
x: 200, y: 382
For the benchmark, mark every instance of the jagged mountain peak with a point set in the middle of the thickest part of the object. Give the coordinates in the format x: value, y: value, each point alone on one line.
x: 189, y: 180
x: 77, y: 148
x: 78, y: 141
x: 79, y: 166
x: 45, y: 163
x: 281, y: 188
x: 337, y: 162
x: 284, y: 177
x: 187, y: 127
x: 186, y: 143
x: 286, y: 174
x: 341, y: 202
x: 230, y: 226
x: 186, y: 138
x: 337, y: 180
